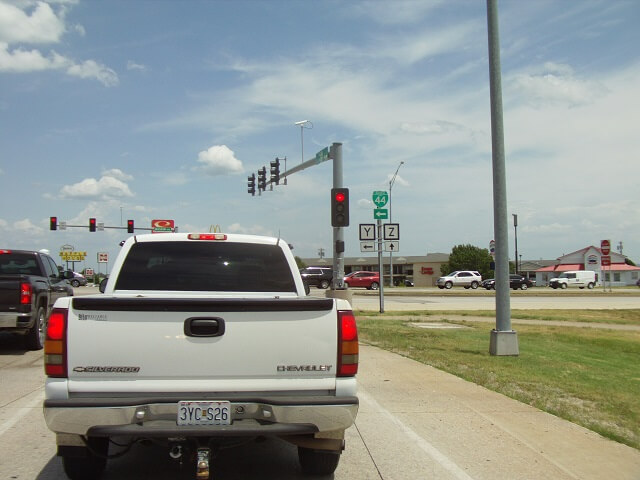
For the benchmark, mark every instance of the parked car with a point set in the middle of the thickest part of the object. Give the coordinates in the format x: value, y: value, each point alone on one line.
x: 515, y: 281
x: 369, y: 280
x: 320, y: 277
x: 78, y: 280
x: 462, y: 278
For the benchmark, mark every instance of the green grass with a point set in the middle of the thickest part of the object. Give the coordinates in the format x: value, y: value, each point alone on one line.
x: 588, y: 376
x: 620, y: 317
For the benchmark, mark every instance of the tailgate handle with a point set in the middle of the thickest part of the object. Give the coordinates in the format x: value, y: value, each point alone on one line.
x: 204, y: 327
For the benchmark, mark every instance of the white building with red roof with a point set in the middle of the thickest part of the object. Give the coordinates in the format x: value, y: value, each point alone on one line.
x: 619, y: 273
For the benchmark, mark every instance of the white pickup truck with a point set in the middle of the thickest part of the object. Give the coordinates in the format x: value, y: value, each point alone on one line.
x: 201, y: 342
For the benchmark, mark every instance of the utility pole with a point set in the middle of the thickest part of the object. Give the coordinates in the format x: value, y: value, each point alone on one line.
x: 391, y: 183
x: 504, y: 340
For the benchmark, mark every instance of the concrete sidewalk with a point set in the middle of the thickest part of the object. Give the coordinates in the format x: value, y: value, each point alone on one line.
x: 436, y: 425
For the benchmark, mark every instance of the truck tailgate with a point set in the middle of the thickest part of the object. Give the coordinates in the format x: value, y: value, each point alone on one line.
x: 202, y: 345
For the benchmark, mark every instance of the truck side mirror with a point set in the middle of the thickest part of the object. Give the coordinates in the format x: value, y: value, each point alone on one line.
x: 103, y: 285
x: 307, y: 288
x: 67, y: 274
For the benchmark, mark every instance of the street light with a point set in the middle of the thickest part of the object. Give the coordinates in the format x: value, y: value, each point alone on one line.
x: 303, y: 124
x: 391, y: 182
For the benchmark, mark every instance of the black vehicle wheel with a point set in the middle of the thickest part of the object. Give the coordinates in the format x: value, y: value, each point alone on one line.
x: 474, y: 285
x: 374, y: 286
x: 324, y: 284
x: 448, y: 285
x: 85, y: 464
x: 524, y: 286
x: 564, y: 286
x: 34, y: 339
x: 75, y: 283
x: 318, y: 462
x: 590, y: 286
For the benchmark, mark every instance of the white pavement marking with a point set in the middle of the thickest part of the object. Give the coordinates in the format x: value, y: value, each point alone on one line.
x: 21, y: 412
x: 432, y: 451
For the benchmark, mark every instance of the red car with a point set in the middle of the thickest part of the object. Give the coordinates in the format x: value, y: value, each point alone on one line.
x: 369, y: 280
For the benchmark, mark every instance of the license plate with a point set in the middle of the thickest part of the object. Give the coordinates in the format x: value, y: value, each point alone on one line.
x: 204, y: 413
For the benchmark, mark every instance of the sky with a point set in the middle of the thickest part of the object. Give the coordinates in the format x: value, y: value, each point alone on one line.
x: 159, y: 109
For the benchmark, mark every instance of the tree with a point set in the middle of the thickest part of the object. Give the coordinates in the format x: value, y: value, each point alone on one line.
x: 300, y: 263
x: 468, y: 257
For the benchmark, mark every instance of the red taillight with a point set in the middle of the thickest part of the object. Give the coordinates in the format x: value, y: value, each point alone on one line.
x: 25, y: 293
x: 347, y: 344
x: 55, y: 344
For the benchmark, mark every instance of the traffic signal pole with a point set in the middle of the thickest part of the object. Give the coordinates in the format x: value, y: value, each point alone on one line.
x: 335, y: 152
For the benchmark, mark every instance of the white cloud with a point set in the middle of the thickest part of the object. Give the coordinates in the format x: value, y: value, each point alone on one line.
x: 131, y: 65
x: 118, y: 174
x: 219, y: 160
x: 393, y: 13
x: 41, y: 26
x: 108, y: 187
x: 92, y: 69
x: 554, y: 84
x: 20, y: 60
x: 25, y: 226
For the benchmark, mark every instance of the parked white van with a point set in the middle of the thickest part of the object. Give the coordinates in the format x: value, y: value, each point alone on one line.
x: 574, y: 278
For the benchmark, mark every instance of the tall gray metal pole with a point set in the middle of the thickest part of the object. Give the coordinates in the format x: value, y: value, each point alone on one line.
x: 338, y: 232
x: 504, y: 340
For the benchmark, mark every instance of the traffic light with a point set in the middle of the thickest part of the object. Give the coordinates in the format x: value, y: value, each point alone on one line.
x: 262, y: 178
x: 53, y: 223
x: 92, y: 224
x: 275, y: 171
x: 339, y: 207
x: 129, y: 226
x: 251, y: 185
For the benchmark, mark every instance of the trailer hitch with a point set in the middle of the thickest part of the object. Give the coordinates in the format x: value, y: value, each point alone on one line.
x: 203, y: 458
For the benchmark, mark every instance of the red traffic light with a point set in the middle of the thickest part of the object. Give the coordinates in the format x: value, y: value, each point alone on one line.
x: 339, y: 207
x: 92, y: 224
x: 130, y: 226
x: 53, y: 223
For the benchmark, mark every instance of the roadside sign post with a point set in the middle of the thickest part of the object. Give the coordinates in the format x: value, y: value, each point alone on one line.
x: 605, y: 260
x: 381, y: 291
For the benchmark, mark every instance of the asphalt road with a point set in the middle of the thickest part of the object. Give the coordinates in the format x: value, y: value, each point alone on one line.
x: 523, y: 302
x: 415, y: 422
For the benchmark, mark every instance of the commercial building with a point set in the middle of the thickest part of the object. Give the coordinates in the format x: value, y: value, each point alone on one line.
x: 423, y: 271
x: 619, y: 273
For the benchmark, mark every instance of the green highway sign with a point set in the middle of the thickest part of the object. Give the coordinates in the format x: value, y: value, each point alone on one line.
x: 380, y: 214
x: 322, y: 155
x: 380, y: 199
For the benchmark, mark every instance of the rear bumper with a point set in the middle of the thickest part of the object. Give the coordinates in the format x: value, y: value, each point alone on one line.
x: 15, y: 321
x: 264, y: 416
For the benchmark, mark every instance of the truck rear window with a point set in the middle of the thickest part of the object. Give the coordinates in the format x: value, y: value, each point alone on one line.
x: 206, y: 266
x: 19, y: 263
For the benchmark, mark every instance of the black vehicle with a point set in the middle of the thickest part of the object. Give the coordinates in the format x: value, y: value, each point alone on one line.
x: 515, y: 281
x: 30, y: 283
x: 320, y: 277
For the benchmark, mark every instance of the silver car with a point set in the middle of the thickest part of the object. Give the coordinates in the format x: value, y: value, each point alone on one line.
x: 461, y: 278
